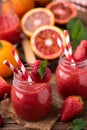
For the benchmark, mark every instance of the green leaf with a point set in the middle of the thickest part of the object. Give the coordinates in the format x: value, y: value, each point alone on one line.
x: 0, y: 45
x: 77, y: 30
x: 84, y: 34
x: 74, y: 43
x: 42, y: 68
x: 79, y: 124
x: 76, y: 127
x: 70, y: 24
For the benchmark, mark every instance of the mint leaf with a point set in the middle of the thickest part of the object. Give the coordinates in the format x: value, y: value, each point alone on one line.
x: 77, y: 30
x: 42, y: 68
x: 74, y: 43
x: 70, y: 24
x: 79, y: 124
x: 84, y: 35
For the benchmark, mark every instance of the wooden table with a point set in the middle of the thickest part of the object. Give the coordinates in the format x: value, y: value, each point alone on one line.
x: 9, y: 124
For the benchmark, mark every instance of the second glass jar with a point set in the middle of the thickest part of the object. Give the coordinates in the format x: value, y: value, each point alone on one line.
x: 71, y: 79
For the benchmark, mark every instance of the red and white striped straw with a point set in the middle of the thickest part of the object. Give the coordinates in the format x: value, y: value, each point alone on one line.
x: 25, y: 73
x: 67, y: 52
x: 11, y: 66
x: 68, y: 44
x: 69, y: 57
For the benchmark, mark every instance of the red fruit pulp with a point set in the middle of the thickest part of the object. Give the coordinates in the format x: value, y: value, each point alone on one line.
x: 35, y: 20
x: 62, y: 10
x: 9, y: 28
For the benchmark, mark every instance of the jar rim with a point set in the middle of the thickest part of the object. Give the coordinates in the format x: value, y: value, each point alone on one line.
x: 63, y: 59
x: 18, y: 83
x: 27, y: 66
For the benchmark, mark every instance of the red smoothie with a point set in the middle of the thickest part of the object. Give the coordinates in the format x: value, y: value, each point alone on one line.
x: 70, y: 79
x: 9, y: 28
x: 31, y: 101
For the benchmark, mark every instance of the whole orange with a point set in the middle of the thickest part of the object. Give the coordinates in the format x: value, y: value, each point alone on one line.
x: 22, y: 6
x: 5, y: 54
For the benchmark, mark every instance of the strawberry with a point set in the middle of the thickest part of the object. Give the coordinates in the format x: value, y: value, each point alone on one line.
x: 80, y: 53
x: 84, y: 43
x: 35, y: 74
x: 5, y: 88
x: 1, y: 121
x: 71, y: 107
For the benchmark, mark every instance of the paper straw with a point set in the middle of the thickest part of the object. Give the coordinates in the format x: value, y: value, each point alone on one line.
x: 68, y: 44
x: 11, y: 66
x: 69, y: 57
x: 23, y: 69
x: 64, y: 49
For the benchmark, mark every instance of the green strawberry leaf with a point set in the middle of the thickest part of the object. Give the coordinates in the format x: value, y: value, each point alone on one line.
x: 42, y: 68
x: 79, y: 124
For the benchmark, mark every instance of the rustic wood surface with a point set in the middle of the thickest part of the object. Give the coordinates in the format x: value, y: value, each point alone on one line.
x: 9, y: 124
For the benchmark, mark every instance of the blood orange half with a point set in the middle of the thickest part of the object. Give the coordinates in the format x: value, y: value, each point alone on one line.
x: 35, y: 18
x: 62, y: 10
x: 44, y: 45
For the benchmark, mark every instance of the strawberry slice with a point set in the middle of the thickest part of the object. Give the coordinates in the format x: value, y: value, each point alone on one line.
x: 80, y: 53
x: 5, y: 88
x: 71, y: 107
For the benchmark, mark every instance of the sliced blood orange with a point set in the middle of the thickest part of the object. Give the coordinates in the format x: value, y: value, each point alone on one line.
x: 62, y: 10
x: 35, y: 18
x: 44, y: 45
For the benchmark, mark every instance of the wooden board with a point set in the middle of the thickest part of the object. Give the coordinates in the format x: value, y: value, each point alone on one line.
x: 11, y: 125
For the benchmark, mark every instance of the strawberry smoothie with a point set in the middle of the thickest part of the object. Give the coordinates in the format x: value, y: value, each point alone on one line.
x: 70, y: 79
x: 30, y: 100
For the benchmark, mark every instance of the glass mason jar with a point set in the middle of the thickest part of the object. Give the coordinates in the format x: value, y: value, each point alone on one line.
x: 9, y: 23
x: 31, y: 101
x: 71, y: 79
